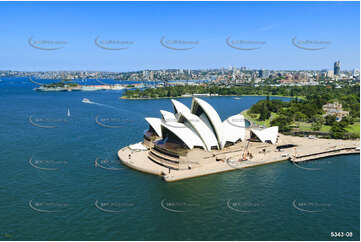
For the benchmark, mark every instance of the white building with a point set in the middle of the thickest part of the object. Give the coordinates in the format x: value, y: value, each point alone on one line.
x: 201, y: 127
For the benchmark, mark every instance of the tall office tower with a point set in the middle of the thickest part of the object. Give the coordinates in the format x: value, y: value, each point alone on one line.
x: 336, y: 68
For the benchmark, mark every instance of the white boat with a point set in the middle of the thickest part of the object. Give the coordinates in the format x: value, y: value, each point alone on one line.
x: 68, y: 113
x: 86, y: 100
x: 237, y: 98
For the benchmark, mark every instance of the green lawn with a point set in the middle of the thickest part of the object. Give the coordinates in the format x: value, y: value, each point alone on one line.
x: 307, y: 127
x: 354, y: 128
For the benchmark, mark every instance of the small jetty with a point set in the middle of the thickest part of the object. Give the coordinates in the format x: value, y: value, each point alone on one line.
x: 328, y: 153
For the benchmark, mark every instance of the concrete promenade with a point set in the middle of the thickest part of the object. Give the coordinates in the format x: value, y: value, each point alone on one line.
x: 305, y: 149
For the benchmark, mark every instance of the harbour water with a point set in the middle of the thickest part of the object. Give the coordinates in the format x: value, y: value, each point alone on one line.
x: 60, y: 179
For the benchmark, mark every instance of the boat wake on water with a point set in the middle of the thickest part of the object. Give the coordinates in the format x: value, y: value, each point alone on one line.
x: 86, y: 100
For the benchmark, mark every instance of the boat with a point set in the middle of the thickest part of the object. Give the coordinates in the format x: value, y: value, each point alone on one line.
x: 68, y: 113
x: 237, y: 98
x: 86, y: 100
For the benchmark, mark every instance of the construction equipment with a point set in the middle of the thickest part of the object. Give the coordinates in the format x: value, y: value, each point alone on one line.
x: 245, y: 152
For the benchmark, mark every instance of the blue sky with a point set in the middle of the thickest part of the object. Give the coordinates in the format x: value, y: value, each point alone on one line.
x: 208, y: 24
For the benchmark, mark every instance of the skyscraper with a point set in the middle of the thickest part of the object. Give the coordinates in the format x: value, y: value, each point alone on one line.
x: 336, y: 68
x: 263, y: 73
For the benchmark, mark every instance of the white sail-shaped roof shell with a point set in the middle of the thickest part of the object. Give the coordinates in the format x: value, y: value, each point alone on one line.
x: 184, y: 133
x: 234, y: 128
x: 212, y: 116
x: 203, y: 131
x: 155, y: 123
x: 180, y: 107
x: 267, y: 134
x: 168, y: 116
x: 201, y: 126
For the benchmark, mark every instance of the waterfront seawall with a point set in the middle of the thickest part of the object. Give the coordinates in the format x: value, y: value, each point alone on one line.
x: 307, y: 149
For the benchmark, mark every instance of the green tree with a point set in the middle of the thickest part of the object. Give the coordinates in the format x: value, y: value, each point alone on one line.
x: 330, y: 119
x: 318, y: 120
x: 283, y: 123
x: 300, y: 117
x: 265, y: 113
x: 337, y: 131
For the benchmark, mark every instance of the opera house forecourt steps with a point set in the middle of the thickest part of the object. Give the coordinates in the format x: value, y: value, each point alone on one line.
x: 193, y: 142
x: 163, y: 159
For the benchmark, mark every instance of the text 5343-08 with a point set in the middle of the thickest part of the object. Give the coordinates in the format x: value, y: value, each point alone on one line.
x: 341, y: 234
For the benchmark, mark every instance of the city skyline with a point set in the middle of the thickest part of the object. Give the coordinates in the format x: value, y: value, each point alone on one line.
x: 122, y: 37
x: 220, y: 68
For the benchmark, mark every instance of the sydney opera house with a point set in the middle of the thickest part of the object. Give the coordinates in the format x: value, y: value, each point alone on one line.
x: 182, y: 137
x: 193, y: 142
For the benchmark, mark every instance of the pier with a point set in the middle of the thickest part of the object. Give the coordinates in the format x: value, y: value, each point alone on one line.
x: 318, y: 155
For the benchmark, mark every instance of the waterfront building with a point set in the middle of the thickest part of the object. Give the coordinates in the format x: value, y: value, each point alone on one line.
x: 193, y: 142
x: 199, y: 129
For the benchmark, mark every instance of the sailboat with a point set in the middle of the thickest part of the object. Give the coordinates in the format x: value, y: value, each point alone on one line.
x: 68, y: 113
